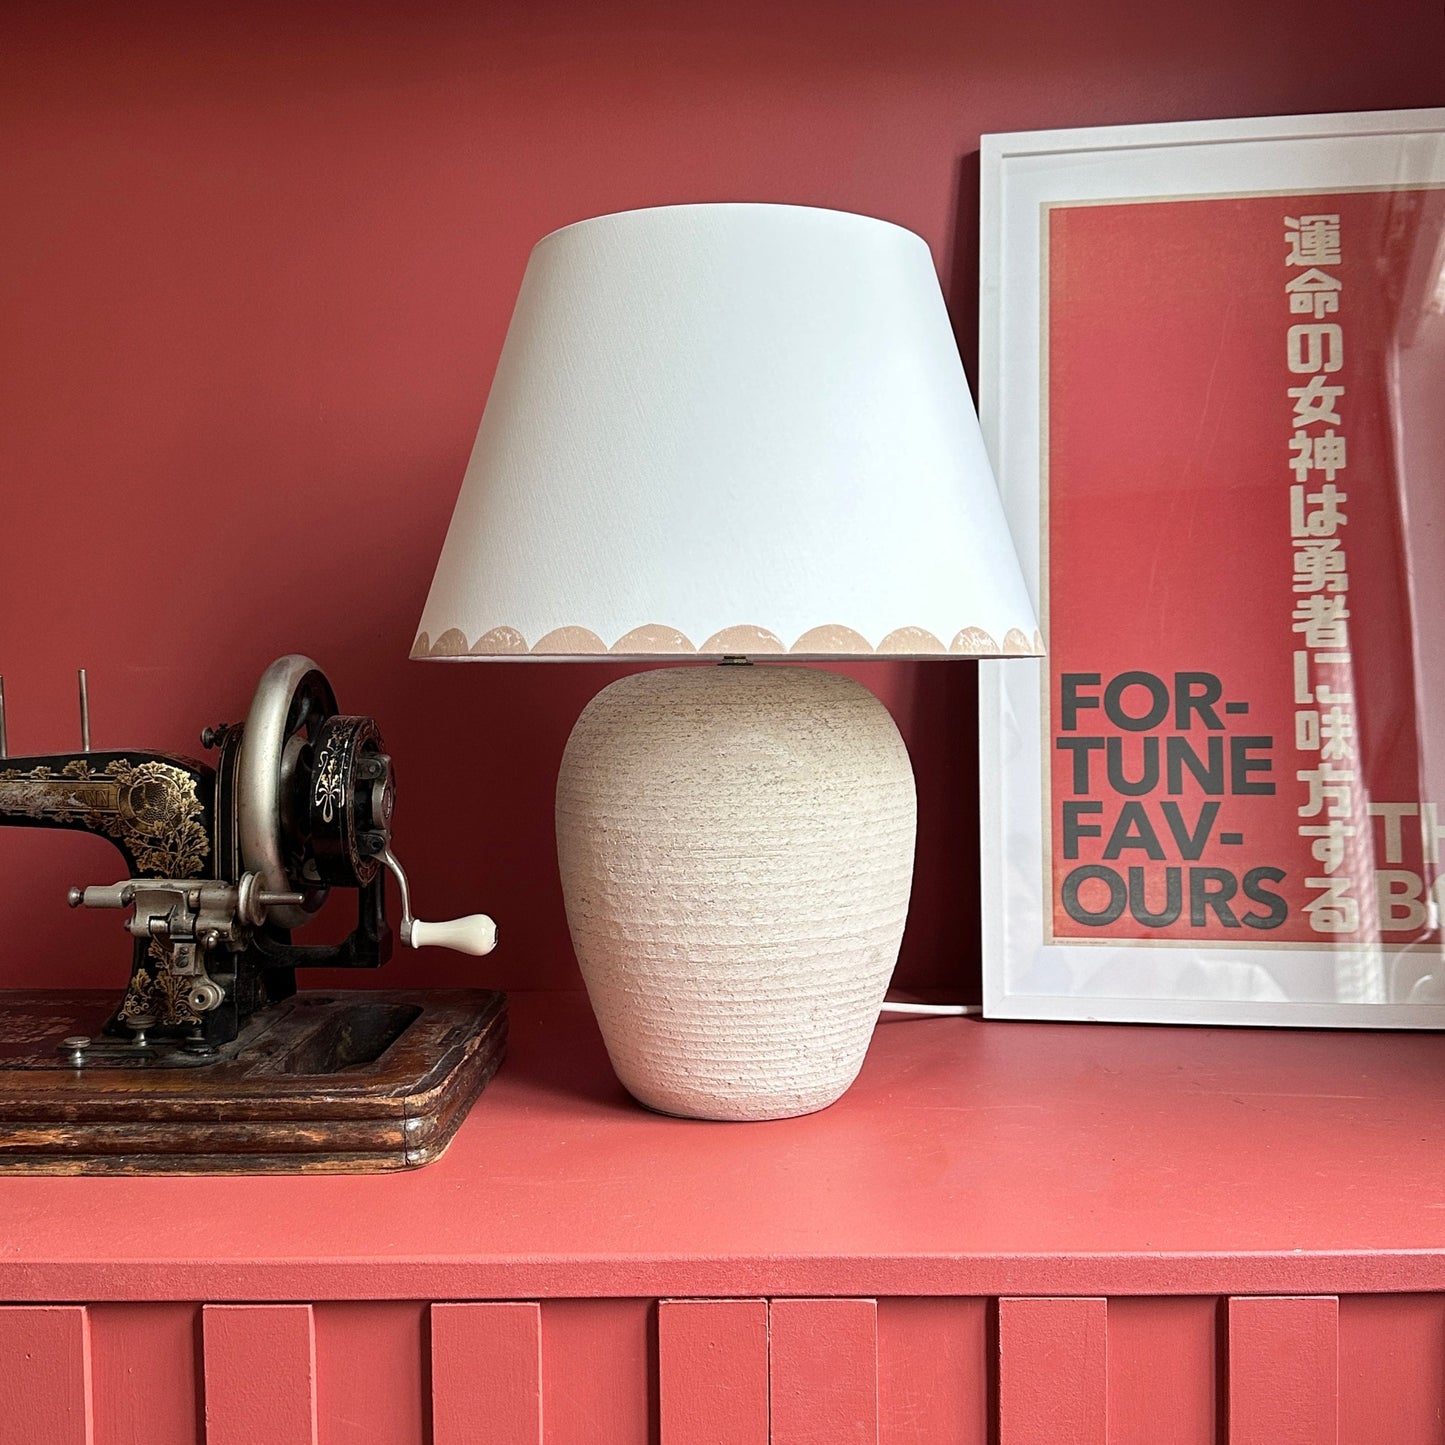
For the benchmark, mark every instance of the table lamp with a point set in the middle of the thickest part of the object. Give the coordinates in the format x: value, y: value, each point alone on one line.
x: 736, y: 433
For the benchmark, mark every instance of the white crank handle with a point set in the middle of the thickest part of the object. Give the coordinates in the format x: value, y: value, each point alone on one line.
x: 476, y: 934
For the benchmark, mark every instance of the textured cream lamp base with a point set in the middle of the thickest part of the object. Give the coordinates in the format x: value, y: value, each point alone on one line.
x: 736, y: 849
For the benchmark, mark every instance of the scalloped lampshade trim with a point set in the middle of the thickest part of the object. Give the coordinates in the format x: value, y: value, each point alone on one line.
x: 827, y: 641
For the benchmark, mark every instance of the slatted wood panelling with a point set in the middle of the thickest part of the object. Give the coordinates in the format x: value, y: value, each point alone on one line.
x: 1363, y: 1370
x: 712, y: 1372
x: 260, y: 1372
x: 486, y: 1374
x: 1284, y: 1372
x: 1052, y: 1372
x: 45, y: 1390
x: 145, y: 1360
x: 823, y: 1371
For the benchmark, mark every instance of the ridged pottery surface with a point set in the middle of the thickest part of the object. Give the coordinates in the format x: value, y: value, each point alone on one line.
x: 736, y: 848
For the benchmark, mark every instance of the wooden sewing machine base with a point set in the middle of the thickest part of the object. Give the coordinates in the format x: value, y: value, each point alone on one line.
x: 334, y: 1082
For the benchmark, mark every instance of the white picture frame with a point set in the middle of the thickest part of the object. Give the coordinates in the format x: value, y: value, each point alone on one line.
x: 1030, y: 969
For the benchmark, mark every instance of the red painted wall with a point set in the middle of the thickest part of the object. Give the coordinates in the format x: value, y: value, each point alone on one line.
x: 256, y: 262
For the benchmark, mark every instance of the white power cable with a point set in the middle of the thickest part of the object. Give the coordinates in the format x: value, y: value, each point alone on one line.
x: 954, y: 1009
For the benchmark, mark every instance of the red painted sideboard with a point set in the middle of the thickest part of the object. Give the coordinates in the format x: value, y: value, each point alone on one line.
x: 1030, y: 1234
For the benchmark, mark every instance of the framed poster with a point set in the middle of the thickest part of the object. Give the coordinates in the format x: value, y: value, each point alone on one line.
x: 1213, y: 385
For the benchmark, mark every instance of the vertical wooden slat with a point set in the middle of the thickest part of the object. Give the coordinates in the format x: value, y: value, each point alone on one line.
x: 1284, y: 1369
x: 370, y: 1388
x: 1053, y: 1381
x: 933, y: 1371
x: 1392, y: 1369
x: 260, y: 1372
x: 1163, y: 1368
x: 145, y: 1362
x: 823, y: 1371
x: 486, y: 1374
x: 598, y: 1371
x: 45, y: 1376
x: 712, y: 1368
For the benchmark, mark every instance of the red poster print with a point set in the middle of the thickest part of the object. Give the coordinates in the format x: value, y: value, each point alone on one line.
x: 1239, y: 533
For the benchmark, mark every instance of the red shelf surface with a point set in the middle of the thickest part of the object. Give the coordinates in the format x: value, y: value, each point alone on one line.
x: 970, y: 1158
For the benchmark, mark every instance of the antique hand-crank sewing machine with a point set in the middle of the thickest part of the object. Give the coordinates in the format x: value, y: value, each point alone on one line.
x: 211, y: 1060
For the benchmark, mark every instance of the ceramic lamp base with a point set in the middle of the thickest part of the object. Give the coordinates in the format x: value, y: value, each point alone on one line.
x: 736, y: 849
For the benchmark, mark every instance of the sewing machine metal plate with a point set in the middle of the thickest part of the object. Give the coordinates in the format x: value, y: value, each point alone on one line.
x: 209, y: 1060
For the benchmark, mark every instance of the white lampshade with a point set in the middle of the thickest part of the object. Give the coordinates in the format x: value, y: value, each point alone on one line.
x: 728, y: 429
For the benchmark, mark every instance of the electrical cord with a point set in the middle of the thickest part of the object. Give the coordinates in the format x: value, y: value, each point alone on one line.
x: 954, y: 1009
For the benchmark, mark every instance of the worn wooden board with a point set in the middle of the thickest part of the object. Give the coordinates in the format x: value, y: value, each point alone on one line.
x: 284, y: 1098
